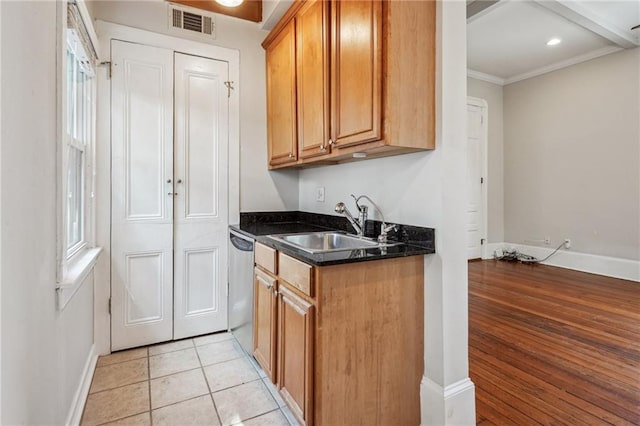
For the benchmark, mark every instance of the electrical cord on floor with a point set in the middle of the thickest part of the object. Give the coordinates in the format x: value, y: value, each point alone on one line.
x: 514, y: 256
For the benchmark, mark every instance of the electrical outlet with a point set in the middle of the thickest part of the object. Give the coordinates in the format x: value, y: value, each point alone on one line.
x: 320, y: 194
x: 547, y: 240
x: 567, y: 243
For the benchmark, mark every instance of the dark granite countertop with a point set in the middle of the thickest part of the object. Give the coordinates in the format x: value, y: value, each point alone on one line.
x: 411, y: 240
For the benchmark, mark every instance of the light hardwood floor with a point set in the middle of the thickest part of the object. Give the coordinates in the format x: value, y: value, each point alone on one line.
x: 553, y: 346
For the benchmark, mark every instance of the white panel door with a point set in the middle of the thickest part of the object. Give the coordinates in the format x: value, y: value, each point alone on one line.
x: 142, y: 195
x: 475, y: 158
x: 201, y: 202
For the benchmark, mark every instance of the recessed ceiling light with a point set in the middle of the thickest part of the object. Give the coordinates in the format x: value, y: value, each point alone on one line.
x: 230, y: 3
x: 554, y: 41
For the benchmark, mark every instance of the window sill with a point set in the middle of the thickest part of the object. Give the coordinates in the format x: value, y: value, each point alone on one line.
x: 75, y: 275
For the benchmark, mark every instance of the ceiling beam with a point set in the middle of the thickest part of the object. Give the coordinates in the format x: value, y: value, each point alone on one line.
x: 579, y: 15
x: 478, y: 8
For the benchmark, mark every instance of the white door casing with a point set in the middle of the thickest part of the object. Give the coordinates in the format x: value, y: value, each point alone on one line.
x: 201, y: 200
x: 476, y: 177
x: 142, y: 195
x: 109, y: 31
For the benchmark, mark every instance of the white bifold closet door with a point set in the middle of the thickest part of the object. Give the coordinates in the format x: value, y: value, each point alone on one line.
x: 201, y: 212
x: 169, y: 195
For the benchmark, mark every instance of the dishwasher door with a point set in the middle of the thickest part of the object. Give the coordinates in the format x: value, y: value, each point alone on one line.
x: 241, y: 289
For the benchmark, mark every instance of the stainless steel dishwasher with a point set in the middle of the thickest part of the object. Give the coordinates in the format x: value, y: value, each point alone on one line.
x: 241, y: 289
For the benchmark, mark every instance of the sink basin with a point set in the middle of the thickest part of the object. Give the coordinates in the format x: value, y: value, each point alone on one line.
x: 324, y: 242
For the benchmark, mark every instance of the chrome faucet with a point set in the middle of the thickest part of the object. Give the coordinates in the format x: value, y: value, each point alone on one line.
x: 359, y: 224
x: 384, y: 228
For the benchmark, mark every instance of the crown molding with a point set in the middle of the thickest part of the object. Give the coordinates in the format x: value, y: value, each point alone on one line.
x: 563, y: 64
x: 485, y: 77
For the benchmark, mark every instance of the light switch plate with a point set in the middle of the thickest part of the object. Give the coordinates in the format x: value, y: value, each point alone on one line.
x: 320, y: 194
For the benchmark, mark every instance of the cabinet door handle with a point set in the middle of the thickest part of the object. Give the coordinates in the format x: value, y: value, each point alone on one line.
x: 322, y: 147
x: 291, y: 155
x: 168, y: 180
x: 330, y: 142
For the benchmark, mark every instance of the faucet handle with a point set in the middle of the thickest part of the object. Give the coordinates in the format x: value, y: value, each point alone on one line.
x: 386, y: 228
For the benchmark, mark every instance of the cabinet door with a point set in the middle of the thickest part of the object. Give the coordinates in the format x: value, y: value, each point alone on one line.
x: 312, y: 61
x: 356, y: 72
x: 295, y: 354
x: 281, y: 97
x: 264, y: 322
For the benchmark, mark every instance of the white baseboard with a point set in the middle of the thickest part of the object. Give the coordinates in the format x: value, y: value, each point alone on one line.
x: 81, y: 394
x: 615, y: 267
x: 449, y: 405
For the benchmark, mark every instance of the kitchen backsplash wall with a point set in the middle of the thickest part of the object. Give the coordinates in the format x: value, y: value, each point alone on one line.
x: 399, y: 185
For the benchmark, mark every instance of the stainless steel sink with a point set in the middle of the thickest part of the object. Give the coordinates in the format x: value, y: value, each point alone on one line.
x: 324, y: 242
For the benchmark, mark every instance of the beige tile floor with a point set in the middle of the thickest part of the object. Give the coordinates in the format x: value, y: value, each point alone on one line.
x: 207, y: 380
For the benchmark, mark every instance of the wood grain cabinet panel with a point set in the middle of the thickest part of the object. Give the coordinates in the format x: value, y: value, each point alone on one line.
x: 312, y: 65
x: 350, y: 354
x: 264, y: 321
x: 369, y: 343
x: 266, y: 258
x: 281, y: 98
x: 364, y: 78
x: 295, y: 353
x: 296, y: 273
x: 356, y: 71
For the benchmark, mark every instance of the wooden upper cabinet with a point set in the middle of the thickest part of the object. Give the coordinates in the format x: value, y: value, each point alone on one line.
x: 312, y: 62
x: 356, y: 71
x: 363, y: 80
x: 281, y: 97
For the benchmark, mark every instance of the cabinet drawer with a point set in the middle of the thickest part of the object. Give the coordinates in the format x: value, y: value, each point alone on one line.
x: 266, y: 258
x: 296, y: 273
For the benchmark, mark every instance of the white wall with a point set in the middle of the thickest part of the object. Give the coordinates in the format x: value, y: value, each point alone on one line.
x: 492, y: 93
x: 259, y: 188
x: 572, y: 157
x: 43, y: 350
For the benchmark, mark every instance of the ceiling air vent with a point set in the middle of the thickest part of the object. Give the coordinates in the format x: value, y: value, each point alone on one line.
x: 184, y: 19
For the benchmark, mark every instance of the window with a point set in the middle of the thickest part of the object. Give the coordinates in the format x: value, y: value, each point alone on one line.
x: 77, y: 133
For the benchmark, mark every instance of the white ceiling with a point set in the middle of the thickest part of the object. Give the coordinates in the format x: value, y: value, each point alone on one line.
x: 506, y: 42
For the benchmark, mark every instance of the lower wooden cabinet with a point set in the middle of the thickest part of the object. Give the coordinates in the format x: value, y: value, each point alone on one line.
x: 351, y: 354
x: 265, y: 288
x: 295, y: 353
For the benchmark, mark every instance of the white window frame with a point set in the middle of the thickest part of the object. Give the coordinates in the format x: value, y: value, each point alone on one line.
x: 85, y: 145
x: 74, y: 263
